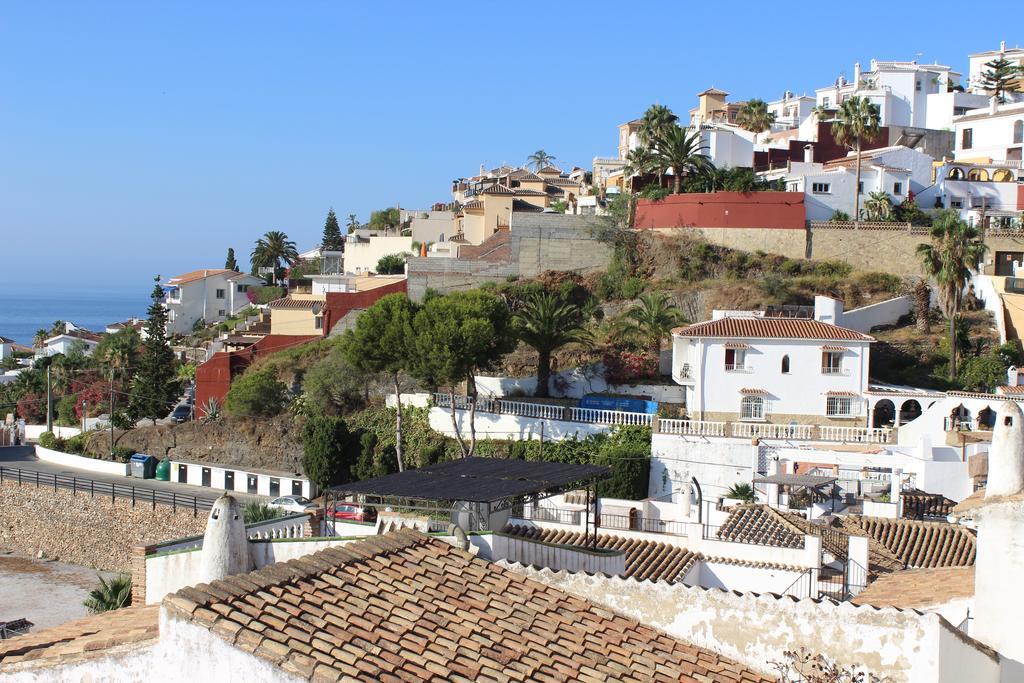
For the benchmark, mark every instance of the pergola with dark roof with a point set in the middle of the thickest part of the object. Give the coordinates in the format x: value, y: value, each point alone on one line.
x: 814, y: 482
x: 494, y: 484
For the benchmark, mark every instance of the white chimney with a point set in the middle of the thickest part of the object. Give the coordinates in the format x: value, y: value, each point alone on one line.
x: 1011, y: 375
x: 1002, y: 46
x: 993, y: 104
x: 856, y: 75
x: 808, y: 154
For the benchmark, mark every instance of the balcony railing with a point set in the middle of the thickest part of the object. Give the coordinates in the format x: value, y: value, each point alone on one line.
x: 855, y: 434
x: 829, y: 370
x: 609, y: 417
x: 772, y: 431
x: 546, y: 411
x: 691, y: 427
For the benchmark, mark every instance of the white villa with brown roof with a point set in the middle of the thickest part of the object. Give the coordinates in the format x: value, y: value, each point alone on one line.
x: 208, y: 295
x: 757, y: 366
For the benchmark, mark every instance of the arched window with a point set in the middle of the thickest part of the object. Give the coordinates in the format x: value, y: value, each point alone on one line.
x: 956, y: 174
x: 785, y: 365
x: 1002, y: 175
x: 1018, y: 131
x: 978, y: 174
x: 752, y: 408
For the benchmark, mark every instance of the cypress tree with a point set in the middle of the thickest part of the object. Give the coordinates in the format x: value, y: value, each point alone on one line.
x: 332, y: 233
x: 154, y: 386
x: 230, y: 263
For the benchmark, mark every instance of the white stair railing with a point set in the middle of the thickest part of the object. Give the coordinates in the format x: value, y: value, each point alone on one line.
x: 691, y: 427
x: 855, y: 434
x: 609, y: 417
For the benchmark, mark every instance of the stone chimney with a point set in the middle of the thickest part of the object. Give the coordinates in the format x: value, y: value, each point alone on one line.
x: 999, y: 516
x: 225, y: 546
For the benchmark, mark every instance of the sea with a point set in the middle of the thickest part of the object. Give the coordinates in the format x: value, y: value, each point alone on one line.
x: 26, y: 307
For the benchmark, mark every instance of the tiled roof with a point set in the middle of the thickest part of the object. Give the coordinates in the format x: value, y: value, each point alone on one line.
x: 498, y: 189
x: 917, y: 588
x: 525, y: 192
x: 475, y: 204
x: 527, y: 177
x: 563, y: 182
x: 5, y: 340
x: 83, y: 638
x: 770, y: 328
x: 1016, y: 389
x: 84, y: 335
x: 523, y: 206
x: 202, y: 274
x: 918, y: 544
x: 288, y: 303
x: 549, y: 170
x: 404, y: 606
x: 917, y: 504
x: 762, y: 525
x: 644, y: 559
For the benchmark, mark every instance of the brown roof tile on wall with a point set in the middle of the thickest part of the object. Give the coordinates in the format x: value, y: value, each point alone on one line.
x: 770, y: 328
x: 405, y: 606
x: 917, y: 588
x: 83, y: 638
x: 762, y: 525
x: 919, y: 544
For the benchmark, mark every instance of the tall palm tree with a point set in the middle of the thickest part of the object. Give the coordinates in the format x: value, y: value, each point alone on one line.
x: 857, y: 120
x: 109, y: 595
x: 651, y: 320
x: 547, y: 322
x: 956, y: 249
x: 755, y: 117
x: 639, y: 161
x: 272, y: 249
x: 679, y: 149
x: 878, y: 206
x: 40, y: 337
x: 540, y: 159
x: 352, y: 224
x: 657, y: 119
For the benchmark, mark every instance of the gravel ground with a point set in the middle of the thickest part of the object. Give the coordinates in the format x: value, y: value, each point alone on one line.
x: 44, y: 592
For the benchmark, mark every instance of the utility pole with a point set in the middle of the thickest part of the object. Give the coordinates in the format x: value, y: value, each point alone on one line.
x: 111, y: 411
x: 49, y: 398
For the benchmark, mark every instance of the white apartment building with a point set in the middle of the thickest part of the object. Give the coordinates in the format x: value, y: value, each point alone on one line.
x: 791, y: 110
x: 995, y: 133
x: 830, y: 187
x: 978, y: 60
x: 899, y: 89
x: 206, y: 296
x: 993, y: 189
x: 752, y: 366
x: 363, y: 253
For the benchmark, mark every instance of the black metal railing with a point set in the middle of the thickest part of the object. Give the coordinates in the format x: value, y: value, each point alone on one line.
x: 836, y: 584
x: 94, y: 489
x: 640, y: 523
x: 536, y: 513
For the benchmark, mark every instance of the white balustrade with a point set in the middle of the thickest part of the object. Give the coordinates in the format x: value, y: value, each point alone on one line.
x: 691, y: 427
x: 539, y: 410
x: 772, y: 431
x: 855, y: 434
x: 609, y: 417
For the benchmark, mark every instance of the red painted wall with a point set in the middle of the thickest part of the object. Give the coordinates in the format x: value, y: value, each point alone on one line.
x: 1020, y: 197
x: 340, y: 303
x: 825, y: 149
x: 772, y: 210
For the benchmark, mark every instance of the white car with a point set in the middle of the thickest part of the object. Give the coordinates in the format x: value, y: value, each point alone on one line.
x: 292, y: 503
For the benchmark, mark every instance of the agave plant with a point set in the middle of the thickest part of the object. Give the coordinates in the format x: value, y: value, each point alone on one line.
x: 260, y: 512
x: 113, y: 594
x: 211, y: 410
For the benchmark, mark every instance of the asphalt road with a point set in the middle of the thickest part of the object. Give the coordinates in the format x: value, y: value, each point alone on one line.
x: 23, y: 458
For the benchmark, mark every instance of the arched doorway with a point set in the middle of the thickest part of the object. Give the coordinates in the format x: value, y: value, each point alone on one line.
x: 959, y: 419
x: 883, y: 414
x: 986, y: 419
x: 909, y: 411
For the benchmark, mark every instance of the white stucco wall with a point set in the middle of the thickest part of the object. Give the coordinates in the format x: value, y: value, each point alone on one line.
x: 991, y: 135
x: 362, y: 257
x: 81, y: 463
x: 736, y: 577
x: 886, y: 312
x: 717, y: 464
x: 576, y: 383
x: 194, y: 476
x: 494, y: 426
x: 756, y: 629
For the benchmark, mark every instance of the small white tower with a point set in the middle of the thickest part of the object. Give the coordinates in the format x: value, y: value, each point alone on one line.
x: 998, y: 590
x: 225, y: 546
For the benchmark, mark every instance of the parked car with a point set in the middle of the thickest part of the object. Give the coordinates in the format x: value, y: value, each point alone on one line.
x: 292, y: 503
x: 181, y: 413
x: 352, y: 511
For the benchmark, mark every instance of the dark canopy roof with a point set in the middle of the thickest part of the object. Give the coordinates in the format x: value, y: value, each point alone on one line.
x: 478, y: 480
x: 811, y: 480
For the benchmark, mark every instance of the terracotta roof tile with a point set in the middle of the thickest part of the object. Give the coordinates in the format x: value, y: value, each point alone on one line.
x: 770, y: 328
x: 202, y: 274
x: 918, y: 544
x: 498, y: 189
x: 405, y: 606
x: 83, y: 638
x: 917, y: 588
x: 761, y: 525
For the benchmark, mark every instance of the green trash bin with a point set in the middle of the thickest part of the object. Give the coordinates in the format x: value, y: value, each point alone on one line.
x: 163, y: 470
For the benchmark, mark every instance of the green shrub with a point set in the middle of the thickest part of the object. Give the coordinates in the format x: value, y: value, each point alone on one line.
x: 264, y: 295
x: 254, y: 512
x: 122, y: 453
x: 327, y: 451
x: 76, y: 444
x: 392, y: 264
x: 48, y: 440
x: 791, y: 268
x: 832, y: 269
x: 256, y: 394
x: 632, y: 288
x: 66, y: 416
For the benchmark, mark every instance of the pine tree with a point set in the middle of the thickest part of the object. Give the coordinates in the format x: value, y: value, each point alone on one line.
x: 332, y: 233
x: 1001, y: 76
x: 231, y: 264
x: 154, y: 388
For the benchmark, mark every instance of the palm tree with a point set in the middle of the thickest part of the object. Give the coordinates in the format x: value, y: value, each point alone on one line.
x: 656, y: 120
x: 856, y: 121
x: 109, y: 595
x: 878, y: 206
x: 272, y: 249
x: 742, y: 492
x: 40, y: 337
x: 755, y: 117
x: 652, y: 319
x: 547, y: 322
x: 352, y: 224
x: 680, y: 150
x: 956, y: 249
x: 540, y: 159
x: 922, y: 306
x: 639, y: 161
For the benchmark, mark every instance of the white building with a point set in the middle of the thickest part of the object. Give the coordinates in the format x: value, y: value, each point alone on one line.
x: 791, y: 110
x: 6, y: 348
x: 993, y: 189
x: 205, y: 296
x: 830, y: 187
x: 899, y: 89
x: 978, y: 60
x: 72, y: 339
x: 428, y: 226
x: 753, y: 367
x: 995, y: 133
x: 363, y: 253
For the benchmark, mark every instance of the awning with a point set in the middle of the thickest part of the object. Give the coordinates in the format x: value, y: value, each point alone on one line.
x: 834, y: 348
x: 739, y: 346
x: 753, y: 392
x: 809, y: 480
x: 850, y: 394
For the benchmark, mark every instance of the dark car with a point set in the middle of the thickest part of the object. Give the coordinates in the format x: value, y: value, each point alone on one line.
x: 181, y: 413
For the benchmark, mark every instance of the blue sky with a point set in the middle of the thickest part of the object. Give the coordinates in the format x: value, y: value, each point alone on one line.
x: 140, y: 138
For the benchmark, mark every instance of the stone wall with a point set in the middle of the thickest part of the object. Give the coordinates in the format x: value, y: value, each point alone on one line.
x: 90, y: 531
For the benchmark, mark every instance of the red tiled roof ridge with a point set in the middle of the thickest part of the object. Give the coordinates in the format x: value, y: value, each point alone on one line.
x: 758, y: 327
x: 199, y: 274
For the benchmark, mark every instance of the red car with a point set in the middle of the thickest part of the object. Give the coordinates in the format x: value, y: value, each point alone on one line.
x: 352, y: 511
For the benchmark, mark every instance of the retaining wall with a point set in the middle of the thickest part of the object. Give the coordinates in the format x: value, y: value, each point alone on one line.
x: 81, y: 463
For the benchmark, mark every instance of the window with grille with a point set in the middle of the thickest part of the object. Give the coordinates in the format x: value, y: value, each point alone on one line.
x: 752, y: 408
x: 219, y: 294
x: 821, y: 188
x: 839, y: 406
x: 897, y: 188
x: 967, y: 138
x: 735, y: 359
x: 832, y: 363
